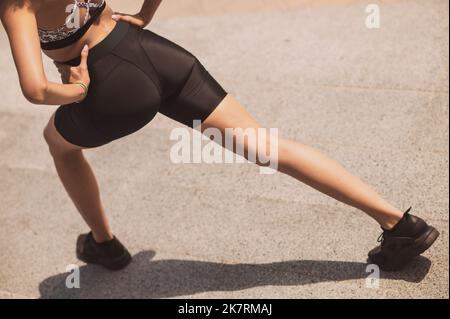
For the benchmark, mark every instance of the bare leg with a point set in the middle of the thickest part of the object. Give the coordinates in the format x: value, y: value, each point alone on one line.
x: 311, y: 167
x: 79, y: 181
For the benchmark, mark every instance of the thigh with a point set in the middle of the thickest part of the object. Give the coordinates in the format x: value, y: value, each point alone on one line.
x: 188, y: 91
x: 198, y: 98
x: 236, y: 123
x: 230, y: 114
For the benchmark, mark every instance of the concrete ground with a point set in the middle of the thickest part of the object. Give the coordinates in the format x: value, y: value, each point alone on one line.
x: 376, y: 100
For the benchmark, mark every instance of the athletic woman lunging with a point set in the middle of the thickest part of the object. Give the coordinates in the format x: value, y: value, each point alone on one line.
x: 116, y: 76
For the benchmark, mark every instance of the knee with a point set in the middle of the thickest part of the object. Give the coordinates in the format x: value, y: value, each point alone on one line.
x: 55, y: 147
x: 46, y: 133
x: 50, y: 140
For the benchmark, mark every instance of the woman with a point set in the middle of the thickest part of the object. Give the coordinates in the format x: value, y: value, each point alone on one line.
x: 118, y: 85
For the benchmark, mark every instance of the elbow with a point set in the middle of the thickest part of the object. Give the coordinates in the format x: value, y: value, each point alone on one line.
x: 36, y: 93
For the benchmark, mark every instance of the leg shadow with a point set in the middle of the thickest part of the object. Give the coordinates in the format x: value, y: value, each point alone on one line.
x: 145, y: 278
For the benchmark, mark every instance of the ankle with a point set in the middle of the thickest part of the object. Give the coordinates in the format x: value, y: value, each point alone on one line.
x: 102, y: 237
x: 388, y: 222
x: 388, y: 218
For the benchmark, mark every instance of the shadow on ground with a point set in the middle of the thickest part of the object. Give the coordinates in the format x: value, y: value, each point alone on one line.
x: 145, y: 278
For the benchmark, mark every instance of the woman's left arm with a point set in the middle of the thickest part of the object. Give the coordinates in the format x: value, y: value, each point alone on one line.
x: 19, y: 20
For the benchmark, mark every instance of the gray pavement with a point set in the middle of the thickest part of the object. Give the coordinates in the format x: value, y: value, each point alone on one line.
x: 376, y: 100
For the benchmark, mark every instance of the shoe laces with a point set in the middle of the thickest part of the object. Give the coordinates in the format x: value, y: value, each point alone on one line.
x: 381, y: 238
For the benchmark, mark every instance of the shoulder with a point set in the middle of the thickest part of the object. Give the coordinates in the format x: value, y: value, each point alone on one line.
x: 17, y: 7
x: 15, y: 13
x: 6, y: 5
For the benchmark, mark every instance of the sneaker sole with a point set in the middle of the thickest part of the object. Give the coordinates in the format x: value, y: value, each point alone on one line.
x: 115, y: 265
x: 425, y: 241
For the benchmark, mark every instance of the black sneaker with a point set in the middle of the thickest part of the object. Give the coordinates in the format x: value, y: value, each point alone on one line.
x: 408, y: 239
x: 111, y: 254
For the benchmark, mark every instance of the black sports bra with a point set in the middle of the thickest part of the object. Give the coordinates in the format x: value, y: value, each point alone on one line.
x: 69, y: 33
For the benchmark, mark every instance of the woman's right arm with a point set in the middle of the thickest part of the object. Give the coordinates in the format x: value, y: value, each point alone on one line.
x: 149, y: 8
x: 143, y: 18
x: 19, y: 20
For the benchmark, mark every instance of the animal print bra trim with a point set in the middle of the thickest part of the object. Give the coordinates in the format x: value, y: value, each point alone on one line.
x: 71, y: 32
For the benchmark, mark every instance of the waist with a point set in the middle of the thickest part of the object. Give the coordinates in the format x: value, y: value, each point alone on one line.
x: 94, y: 35
x: 105, y: 46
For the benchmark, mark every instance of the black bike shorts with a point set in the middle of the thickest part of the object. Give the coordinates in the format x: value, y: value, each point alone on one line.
x: 136, y: 73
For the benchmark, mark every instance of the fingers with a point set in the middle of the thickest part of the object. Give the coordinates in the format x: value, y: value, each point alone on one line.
x: 84, y: 56
x: 128, y: 18
x: 116, y: 16
x: 120, y: 17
